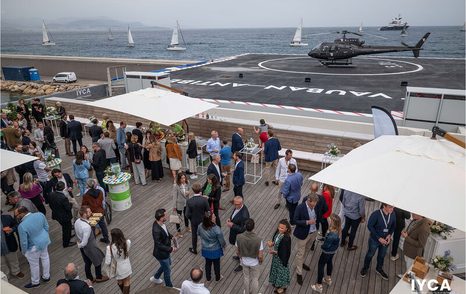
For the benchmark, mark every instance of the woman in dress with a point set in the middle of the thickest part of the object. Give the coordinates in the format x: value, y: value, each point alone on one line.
x: 155, y: 157
x: 32, y: 190
x: 213, y: 243
x: 180, y: 196
x: 213, y: 191
x: 280, y: 248
x: 81, y: 171
x: 174, y: 155
x: 135, y: 157
x: 118, y: 250
x: 329, y: 248
x: 328, y: 192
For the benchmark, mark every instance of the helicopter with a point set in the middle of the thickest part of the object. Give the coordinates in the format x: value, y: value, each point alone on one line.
x: 342, y: 50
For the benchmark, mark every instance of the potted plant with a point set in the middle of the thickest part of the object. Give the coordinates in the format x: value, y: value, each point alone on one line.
x: 444, y: 265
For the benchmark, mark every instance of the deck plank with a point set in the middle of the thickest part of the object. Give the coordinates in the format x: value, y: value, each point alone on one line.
x: 136, y: 223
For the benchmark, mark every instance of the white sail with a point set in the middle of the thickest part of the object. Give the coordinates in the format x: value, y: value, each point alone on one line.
x: 110, y: 35
x: 298, y: 34
x: 130, y: 39
x: 360, y: 28
x: 45, y: 36
x: 297, y: 38
x: 175, y: 40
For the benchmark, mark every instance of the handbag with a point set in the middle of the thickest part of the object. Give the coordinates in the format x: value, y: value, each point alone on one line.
x: 175, y: 219
x: 110, y: 269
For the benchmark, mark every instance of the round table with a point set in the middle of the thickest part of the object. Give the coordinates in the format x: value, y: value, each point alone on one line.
x: 119, y: 192
x: 54, y: 163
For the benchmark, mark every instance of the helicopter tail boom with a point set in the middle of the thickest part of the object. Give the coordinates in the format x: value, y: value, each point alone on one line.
x: 419, y: 44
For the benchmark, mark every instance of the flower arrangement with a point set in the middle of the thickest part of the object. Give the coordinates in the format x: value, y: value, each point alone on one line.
x: 250, y: 144
x: 156, y: 130
x: 91, y: 118
x: 51, y: 111
x: 333, y: 150
x: 109, y: 172
x: 441, y: 229
x: 179, y: 133
x: 444, y: 263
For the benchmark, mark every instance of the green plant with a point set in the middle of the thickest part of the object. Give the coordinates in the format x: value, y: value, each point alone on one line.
x: 444, y: 263
x: 441, y: 229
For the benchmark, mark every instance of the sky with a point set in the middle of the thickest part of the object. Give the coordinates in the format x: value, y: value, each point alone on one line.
x: 242, y: 13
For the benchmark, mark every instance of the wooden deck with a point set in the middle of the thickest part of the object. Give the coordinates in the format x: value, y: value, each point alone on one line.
x: 136, y: 223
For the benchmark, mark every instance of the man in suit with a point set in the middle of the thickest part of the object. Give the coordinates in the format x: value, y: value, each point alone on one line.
x: 63, y: 126
x: 416, y: 235
x: 162, y: 248
x: 5, y: 121
x: 75, y: 132
x: 291, y: 190
x: 215, y: 167
x: 34, y: 239
x: 237, y: 141
x: 237, y: 224
x: 61, y: 212
x: 9, y: 247
x: 99, y: 163
x: 196, y: 207
x: 307, y: 218
x: 76, y: 285
x: 38, y: 110
x: 238, y: 174
x: 95, y: 130
x: 271, y: 148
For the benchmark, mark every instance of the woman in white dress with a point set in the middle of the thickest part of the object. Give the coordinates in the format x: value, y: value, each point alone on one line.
x: 119, y: 251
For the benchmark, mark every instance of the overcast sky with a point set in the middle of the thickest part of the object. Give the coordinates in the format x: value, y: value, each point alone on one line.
x: 242, y: 13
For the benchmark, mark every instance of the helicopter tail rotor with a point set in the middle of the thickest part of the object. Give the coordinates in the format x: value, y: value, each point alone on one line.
x: 419, y: 44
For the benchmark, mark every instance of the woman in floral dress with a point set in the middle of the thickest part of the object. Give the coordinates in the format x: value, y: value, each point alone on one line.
x: 280, y: 248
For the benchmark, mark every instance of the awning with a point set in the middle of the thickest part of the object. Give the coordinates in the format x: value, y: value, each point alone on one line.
x: 11, y: 159
x: 161, y: 106
x: 414, y: 173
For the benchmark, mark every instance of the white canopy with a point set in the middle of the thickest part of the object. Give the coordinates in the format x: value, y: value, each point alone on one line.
x: 156, y: 105
x: 11, y: 159
x: 414, y: 173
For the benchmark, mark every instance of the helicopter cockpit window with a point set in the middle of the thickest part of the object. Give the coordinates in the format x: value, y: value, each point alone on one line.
x: 332, y: 48
x: 317, y: 46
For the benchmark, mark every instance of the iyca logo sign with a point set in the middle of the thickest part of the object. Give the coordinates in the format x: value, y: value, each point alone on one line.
x: 432, y: 285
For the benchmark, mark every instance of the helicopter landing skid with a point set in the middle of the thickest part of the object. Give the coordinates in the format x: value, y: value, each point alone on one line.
x: 338, y: 63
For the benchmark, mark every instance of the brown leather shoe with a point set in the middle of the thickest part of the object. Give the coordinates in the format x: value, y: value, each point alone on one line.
x: 19, y: 275
x: 103, y: 279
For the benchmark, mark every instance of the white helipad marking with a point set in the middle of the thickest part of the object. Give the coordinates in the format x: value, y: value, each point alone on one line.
x: 418, y: 68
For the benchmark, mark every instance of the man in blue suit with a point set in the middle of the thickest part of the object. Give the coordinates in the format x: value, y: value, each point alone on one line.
x: 34, y: 236
x: 75, y: 130
x: 237, y: 141
x: 307, y: 217
x: 238, y: 174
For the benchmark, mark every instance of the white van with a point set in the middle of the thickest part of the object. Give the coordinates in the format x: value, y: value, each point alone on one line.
x: 65, y: 77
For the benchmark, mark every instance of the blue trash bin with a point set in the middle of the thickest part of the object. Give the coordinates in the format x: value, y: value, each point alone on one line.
x: 34, y: 74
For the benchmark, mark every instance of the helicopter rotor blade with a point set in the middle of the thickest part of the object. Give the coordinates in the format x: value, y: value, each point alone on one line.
x: 380, y: 37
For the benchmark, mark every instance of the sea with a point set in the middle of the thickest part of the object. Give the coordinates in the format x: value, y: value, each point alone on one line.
x: 207, y: 44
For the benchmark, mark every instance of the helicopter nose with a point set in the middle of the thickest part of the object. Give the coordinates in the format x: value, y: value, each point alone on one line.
x: 313, y: 54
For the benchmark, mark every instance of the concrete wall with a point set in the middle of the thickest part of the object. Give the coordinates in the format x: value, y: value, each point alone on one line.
x: 85, y: 67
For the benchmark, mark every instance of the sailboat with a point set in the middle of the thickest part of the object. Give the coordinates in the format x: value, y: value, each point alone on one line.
x: 404, y: 31
x: 45, y: 36
x: 463, y: 29
x: 130, y: 39
x: 360, y: 28
x: 110, y: 35
x: 175, y: 44
x: 296, y: 42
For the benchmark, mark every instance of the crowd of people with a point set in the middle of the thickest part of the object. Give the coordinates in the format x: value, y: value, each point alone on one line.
x: 196, y: 206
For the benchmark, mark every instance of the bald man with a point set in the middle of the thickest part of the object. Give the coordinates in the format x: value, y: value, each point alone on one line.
x: 75, y: 284
x: 237, y: 141
x: 194, y: 286
x: 62, y: 289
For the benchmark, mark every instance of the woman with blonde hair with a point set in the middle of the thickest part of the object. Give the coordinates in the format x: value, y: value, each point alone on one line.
x: 135, y: 157
x: 329, y: 249
x: 155, y: 157
x: 174, y: 155
x: 32, y: 190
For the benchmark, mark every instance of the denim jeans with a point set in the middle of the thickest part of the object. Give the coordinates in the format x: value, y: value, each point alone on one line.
x: 374, y: 246
x: 324, y: 260
x: 82, y: 185
x: 165, y: 269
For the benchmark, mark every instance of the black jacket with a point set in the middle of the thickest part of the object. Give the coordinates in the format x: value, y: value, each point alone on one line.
x: 99, y: 161
x: 196, y: 207
x: 284, y: 249
x: 53, y: 182
x: 236, y: 143
x: 95, y: 131
x: 75, y: 130
x: 38, y: 111
x: 63, y: 125
x: 401, y: 215
x: 214, y: 195
x: 77, y: 286
x: 135, y: 152
x: 238, y: 224
x: 11, y: 242
x: 138, y: 133
x: 192, y: 149
x: 212, y: 170
x: 162, y: 242
x: 60, y: 206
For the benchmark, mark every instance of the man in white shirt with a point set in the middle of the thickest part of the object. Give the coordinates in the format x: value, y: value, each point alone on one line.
x: 282, y: 172
x: 194, y: 286
x: 213, y: 144
x: 39, y: 134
